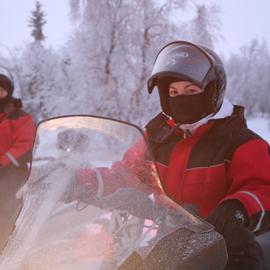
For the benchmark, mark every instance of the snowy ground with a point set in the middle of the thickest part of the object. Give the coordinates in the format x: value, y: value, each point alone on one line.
x: 261, y: 126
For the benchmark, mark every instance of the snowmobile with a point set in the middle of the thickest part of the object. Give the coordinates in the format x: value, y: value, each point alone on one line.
x: 122, y: 221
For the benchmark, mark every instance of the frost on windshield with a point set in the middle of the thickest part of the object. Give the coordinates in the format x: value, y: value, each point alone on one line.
x: 87, y: 203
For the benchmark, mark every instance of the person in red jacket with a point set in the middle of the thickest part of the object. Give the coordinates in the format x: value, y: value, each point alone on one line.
x: 17, y: 132
x: 209, y: 161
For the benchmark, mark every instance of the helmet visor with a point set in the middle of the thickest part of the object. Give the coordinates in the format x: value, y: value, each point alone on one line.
x: 184, y: 61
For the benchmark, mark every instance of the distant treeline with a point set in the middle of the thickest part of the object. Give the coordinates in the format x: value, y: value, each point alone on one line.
x: 104, y: 64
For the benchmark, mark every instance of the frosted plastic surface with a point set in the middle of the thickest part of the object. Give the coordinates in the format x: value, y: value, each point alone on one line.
x: 102, y: 231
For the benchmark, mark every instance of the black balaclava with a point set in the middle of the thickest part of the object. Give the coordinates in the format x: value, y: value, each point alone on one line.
x: 187, y: 109
x: 4, y: 102
x: 7, y: 85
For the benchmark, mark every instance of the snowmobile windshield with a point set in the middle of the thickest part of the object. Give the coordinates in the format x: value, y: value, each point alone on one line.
x: 94, y: 200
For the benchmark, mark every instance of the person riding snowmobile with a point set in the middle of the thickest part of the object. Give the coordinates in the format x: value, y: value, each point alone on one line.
x: 17, y: 132
x: 207, y: 157
x: 203, y: 149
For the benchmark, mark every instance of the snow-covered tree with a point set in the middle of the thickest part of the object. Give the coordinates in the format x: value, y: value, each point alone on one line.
x: 248, y: 83
x: 205, y: 27
x: 10, y: 58
x: 36, y: 22
x: 104, y: 66
x: 39, y: 69
x: 114, y: 46
x: 38, y: 72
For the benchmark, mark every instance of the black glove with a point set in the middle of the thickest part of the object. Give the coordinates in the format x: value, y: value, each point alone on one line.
x: 83, y: 188
x: 230, y: 220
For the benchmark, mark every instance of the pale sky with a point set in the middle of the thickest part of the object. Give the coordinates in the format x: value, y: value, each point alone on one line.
x: 241, y: 21
x: 14, y: 29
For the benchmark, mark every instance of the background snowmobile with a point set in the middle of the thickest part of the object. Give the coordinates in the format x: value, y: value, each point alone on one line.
x: 65, y: 225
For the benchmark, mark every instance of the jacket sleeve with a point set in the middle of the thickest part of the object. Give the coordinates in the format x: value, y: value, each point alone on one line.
x: 138, y: 163
x: 249, y: 174
x: 23, y: 133
x: 133, y: 171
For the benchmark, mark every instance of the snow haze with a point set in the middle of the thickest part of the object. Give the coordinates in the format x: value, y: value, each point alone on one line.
x: 241, y: 21
x: 88, y: 59
x: 261, y: 126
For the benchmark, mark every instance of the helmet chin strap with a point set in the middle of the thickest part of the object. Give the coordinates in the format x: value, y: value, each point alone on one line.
x: 168, y: 116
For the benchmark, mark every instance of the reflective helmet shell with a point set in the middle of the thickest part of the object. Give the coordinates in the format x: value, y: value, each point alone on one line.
x: 6, y: 80
x: 182, y: 60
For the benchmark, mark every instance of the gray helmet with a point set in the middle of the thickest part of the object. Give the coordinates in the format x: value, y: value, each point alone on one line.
x: 6, y: 80
x: 182, y: 60
x: 72, y: 140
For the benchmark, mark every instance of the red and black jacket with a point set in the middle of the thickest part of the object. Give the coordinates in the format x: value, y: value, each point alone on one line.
x: 17, y: 133
x: 221, y: 160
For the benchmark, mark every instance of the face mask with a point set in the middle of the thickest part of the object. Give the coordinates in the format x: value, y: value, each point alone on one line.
x: 188, y: 109
x: 3, y: 103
